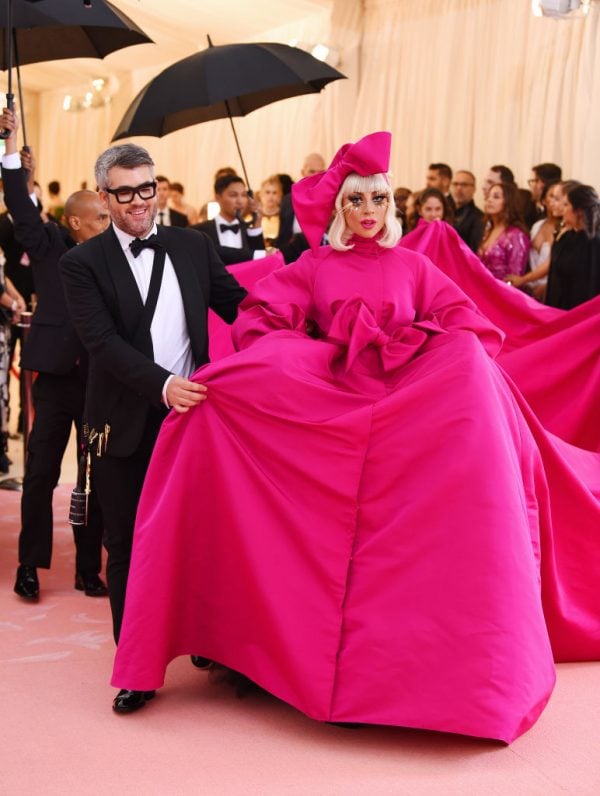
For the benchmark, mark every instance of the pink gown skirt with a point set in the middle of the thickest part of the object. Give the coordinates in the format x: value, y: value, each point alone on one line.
x: 365, y: 547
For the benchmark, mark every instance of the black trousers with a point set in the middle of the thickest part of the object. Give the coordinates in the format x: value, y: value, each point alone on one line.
x: 118, y: 483
x: 58, y: 402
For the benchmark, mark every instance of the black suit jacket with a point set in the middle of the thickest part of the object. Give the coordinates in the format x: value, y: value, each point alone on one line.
x: 21, y: 275
x: 52, y: 344
x: 106, y: 306
x: 290, y: 244
x: 176, y: 218
x: 468, y: 221
x: 229, y: 255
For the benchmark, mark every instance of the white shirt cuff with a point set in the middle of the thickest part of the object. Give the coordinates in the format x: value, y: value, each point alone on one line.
x: 164, y: 390
x: 11, y: 161
x: 254, y: 231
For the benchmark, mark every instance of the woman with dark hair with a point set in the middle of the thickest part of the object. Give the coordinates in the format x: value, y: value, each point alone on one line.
x: 401, y: 195
x: 574, y: 275
x: 286, y: 183
x: 505, y: 243
x: 432, y: 205
x: 543, y: 234
x: 410, y: 211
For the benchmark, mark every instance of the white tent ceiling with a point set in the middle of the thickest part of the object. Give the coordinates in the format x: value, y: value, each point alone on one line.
x: 178, y: 28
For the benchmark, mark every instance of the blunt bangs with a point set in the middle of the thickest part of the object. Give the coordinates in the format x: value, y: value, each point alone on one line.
x: 370, y: 184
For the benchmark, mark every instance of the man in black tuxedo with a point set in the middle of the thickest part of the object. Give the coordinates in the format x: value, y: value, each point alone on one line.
x: 139, y: 296
x: 55, y: 352
x: 234, y: 240
x: 166, y: 216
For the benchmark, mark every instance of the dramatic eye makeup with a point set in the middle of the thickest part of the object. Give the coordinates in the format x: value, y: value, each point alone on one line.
x: 357, y: 200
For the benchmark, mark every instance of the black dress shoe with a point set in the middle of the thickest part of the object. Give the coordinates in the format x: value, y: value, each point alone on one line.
x: 27, y: 584
x: 127, y: 701
x: 346, y: 725
x: 200, y: 662
x: 91, y: 585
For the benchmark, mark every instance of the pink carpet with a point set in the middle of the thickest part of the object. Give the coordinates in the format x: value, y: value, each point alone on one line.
x: 60, y: 736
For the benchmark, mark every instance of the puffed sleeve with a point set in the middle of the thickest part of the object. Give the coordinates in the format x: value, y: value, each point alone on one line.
x: 441, y: 304
x: 281, y: 300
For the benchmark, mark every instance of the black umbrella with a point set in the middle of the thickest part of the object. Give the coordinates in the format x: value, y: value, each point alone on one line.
x: 222, y: 82
x: 51, y: 30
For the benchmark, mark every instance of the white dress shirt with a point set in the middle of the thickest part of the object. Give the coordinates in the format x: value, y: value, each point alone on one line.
x: 234, y: 240
x: 163, y: 217
x: 169, y: 333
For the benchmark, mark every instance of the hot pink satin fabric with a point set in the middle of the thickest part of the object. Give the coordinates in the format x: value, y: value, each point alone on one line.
x: 552, y: 355
x: 358, y: 523
x: 247, y: 274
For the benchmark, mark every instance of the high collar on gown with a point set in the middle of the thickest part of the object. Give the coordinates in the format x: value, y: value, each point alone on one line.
x: 366, y: 247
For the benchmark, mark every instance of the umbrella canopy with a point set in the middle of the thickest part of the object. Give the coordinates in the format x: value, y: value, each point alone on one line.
x: 51, y: 30
x: 221, y: 82
x: 32, y: 31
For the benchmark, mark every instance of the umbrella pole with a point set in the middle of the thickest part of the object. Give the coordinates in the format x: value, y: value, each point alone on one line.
x: 20, y: 89
x: 10, y: 99
x: 237, y: 143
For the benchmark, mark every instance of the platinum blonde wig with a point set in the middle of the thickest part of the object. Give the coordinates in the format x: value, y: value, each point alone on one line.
x: 354, y: 183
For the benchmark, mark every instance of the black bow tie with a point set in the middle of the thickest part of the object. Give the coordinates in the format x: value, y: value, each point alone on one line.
x: 230, y: 227
x: 137, y: 244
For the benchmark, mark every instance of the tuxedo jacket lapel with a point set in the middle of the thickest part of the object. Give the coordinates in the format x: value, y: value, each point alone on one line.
x: 128, y: 296
x: 245, y: 241
x: 191, y: 289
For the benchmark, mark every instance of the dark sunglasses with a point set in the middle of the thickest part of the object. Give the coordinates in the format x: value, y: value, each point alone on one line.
x: 124, y: 195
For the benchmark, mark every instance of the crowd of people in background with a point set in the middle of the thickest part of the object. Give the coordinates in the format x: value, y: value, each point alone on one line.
x: 520, y: 235
x: 544, y: 240
x: 513, y: 235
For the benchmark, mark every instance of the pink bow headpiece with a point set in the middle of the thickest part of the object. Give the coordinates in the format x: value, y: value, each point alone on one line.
x: 314, y: 196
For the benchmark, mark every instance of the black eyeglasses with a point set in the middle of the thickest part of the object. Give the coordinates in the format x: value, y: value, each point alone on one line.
x: 125, y: 194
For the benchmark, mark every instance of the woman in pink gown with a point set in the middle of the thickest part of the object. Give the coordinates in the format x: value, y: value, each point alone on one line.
x: 352, y: 519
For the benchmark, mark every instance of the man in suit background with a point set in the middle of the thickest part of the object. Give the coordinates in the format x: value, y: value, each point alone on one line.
x: 166, y: 216
x: 468, y: 218
x: 55, y: 352
x: 291, y: 241
x: 235, y: 240
x: 439, y: 175
x: 139, y: 297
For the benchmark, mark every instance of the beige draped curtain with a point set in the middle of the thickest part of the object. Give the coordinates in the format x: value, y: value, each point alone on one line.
x: 479, y: 82
x: 273, y: 139
x: 468, y: 82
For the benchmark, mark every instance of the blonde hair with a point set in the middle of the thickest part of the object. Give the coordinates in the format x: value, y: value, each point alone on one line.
x: 354, y: 183
x: 273, y: 180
